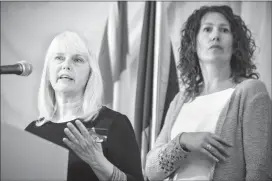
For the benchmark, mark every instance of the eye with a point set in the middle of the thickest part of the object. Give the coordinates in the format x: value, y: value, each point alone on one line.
x: 60, y: 58
x: 78, y: 59
x: 207, y: 29
x: 225, y: 30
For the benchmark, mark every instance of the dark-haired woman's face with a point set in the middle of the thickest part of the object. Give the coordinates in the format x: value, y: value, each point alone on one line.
x: 214, y: 39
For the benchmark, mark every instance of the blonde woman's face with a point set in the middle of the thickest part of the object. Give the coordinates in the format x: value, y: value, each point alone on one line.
x: 69, y: 69
x: 214, y: 39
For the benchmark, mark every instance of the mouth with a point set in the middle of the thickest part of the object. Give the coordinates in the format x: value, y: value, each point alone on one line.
x: 216, y: 47
x: 65, y: 77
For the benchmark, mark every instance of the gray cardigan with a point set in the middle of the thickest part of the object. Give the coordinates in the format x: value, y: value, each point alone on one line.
x: 245, y: 122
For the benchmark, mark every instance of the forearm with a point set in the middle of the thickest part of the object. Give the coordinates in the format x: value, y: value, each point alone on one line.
x: 103, y: 170
x: 106, y: 171
x: 164, y: 160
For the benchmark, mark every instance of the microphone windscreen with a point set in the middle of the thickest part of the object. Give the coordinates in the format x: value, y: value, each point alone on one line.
x: 27, y: 68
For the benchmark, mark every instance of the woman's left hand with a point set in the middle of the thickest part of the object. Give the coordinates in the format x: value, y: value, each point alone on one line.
x: 83, y: 144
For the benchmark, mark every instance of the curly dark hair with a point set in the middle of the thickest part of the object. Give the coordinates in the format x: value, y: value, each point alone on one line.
x: 241, y: 62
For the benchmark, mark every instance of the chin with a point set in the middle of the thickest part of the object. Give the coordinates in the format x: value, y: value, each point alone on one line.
x: 215, y: 59
x: 64, y: 89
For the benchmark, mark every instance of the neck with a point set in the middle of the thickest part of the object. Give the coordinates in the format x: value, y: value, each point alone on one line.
x: 216, y: 77
x: 68, y: 107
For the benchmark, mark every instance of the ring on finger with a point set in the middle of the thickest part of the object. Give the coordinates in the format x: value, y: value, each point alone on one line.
x: 209, y: 147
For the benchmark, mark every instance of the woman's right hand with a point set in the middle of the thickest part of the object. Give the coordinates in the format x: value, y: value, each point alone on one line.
x: 207, y: 143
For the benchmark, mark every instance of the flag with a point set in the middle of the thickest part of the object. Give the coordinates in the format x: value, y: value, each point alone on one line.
x: 143, y: 104
x: 105, y: 68
x: 118, y: 47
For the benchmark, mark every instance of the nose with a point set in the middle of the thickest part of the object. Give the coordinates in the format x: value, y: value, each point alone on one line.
x: 215, y: 35
x: 66, y: 65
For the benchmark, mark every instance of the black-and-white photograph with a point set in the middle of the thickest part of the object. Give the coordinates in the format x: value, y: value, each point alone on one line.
x: 136, y: 91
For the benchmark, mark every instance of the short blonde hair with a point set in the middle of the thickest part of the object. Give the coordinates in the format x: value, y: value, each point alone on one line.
x: 92, y: 99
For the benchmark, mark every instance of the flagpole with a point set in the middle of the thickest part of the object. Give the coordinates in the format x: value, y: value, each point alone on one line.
x: 161, y: 69
x: 156, y: 75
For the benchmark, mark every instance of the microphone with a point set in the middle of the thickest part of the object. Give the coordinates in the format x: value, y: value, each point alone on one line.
x: 21, y: 68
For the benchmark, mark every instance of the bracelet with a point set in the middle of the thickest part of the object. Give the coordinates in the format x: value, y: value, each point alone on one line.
x: 118, y: 175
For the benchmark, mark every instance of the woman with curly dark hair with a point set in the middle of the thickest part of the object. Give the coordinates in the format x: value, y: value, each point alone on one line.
x: 219, y: 126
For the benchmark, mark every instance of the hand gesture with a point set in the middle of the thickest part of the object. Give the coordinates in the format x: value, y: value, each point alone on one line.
x: 207, y: 143
x: 83, y: 143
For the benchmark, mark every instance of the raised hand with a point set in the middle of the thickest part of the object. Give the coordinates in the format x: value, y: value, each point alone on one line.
x: 83, y: 143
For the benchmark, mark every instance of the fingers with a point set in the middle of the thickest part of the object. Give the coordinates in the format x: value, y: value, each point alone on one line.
x: 217, y: 138
x: 209, y: 154
x: 82, y: 135
x: 82, y: 128
x: 74, y: 131
x: 70, y: 135
x: 213, y: 151
x: 217, y: 145
x: 69, y: 144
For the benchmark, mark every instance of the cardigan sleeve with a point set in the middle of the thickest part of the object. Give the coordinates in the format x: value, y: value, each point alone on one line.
x: 257, y: 137
x: 123, y: 150
x: 166, y: 156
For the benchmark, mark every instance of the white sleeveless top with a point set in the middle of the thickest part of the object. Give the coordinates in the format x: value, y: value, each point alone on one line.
x: 200, y: 115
